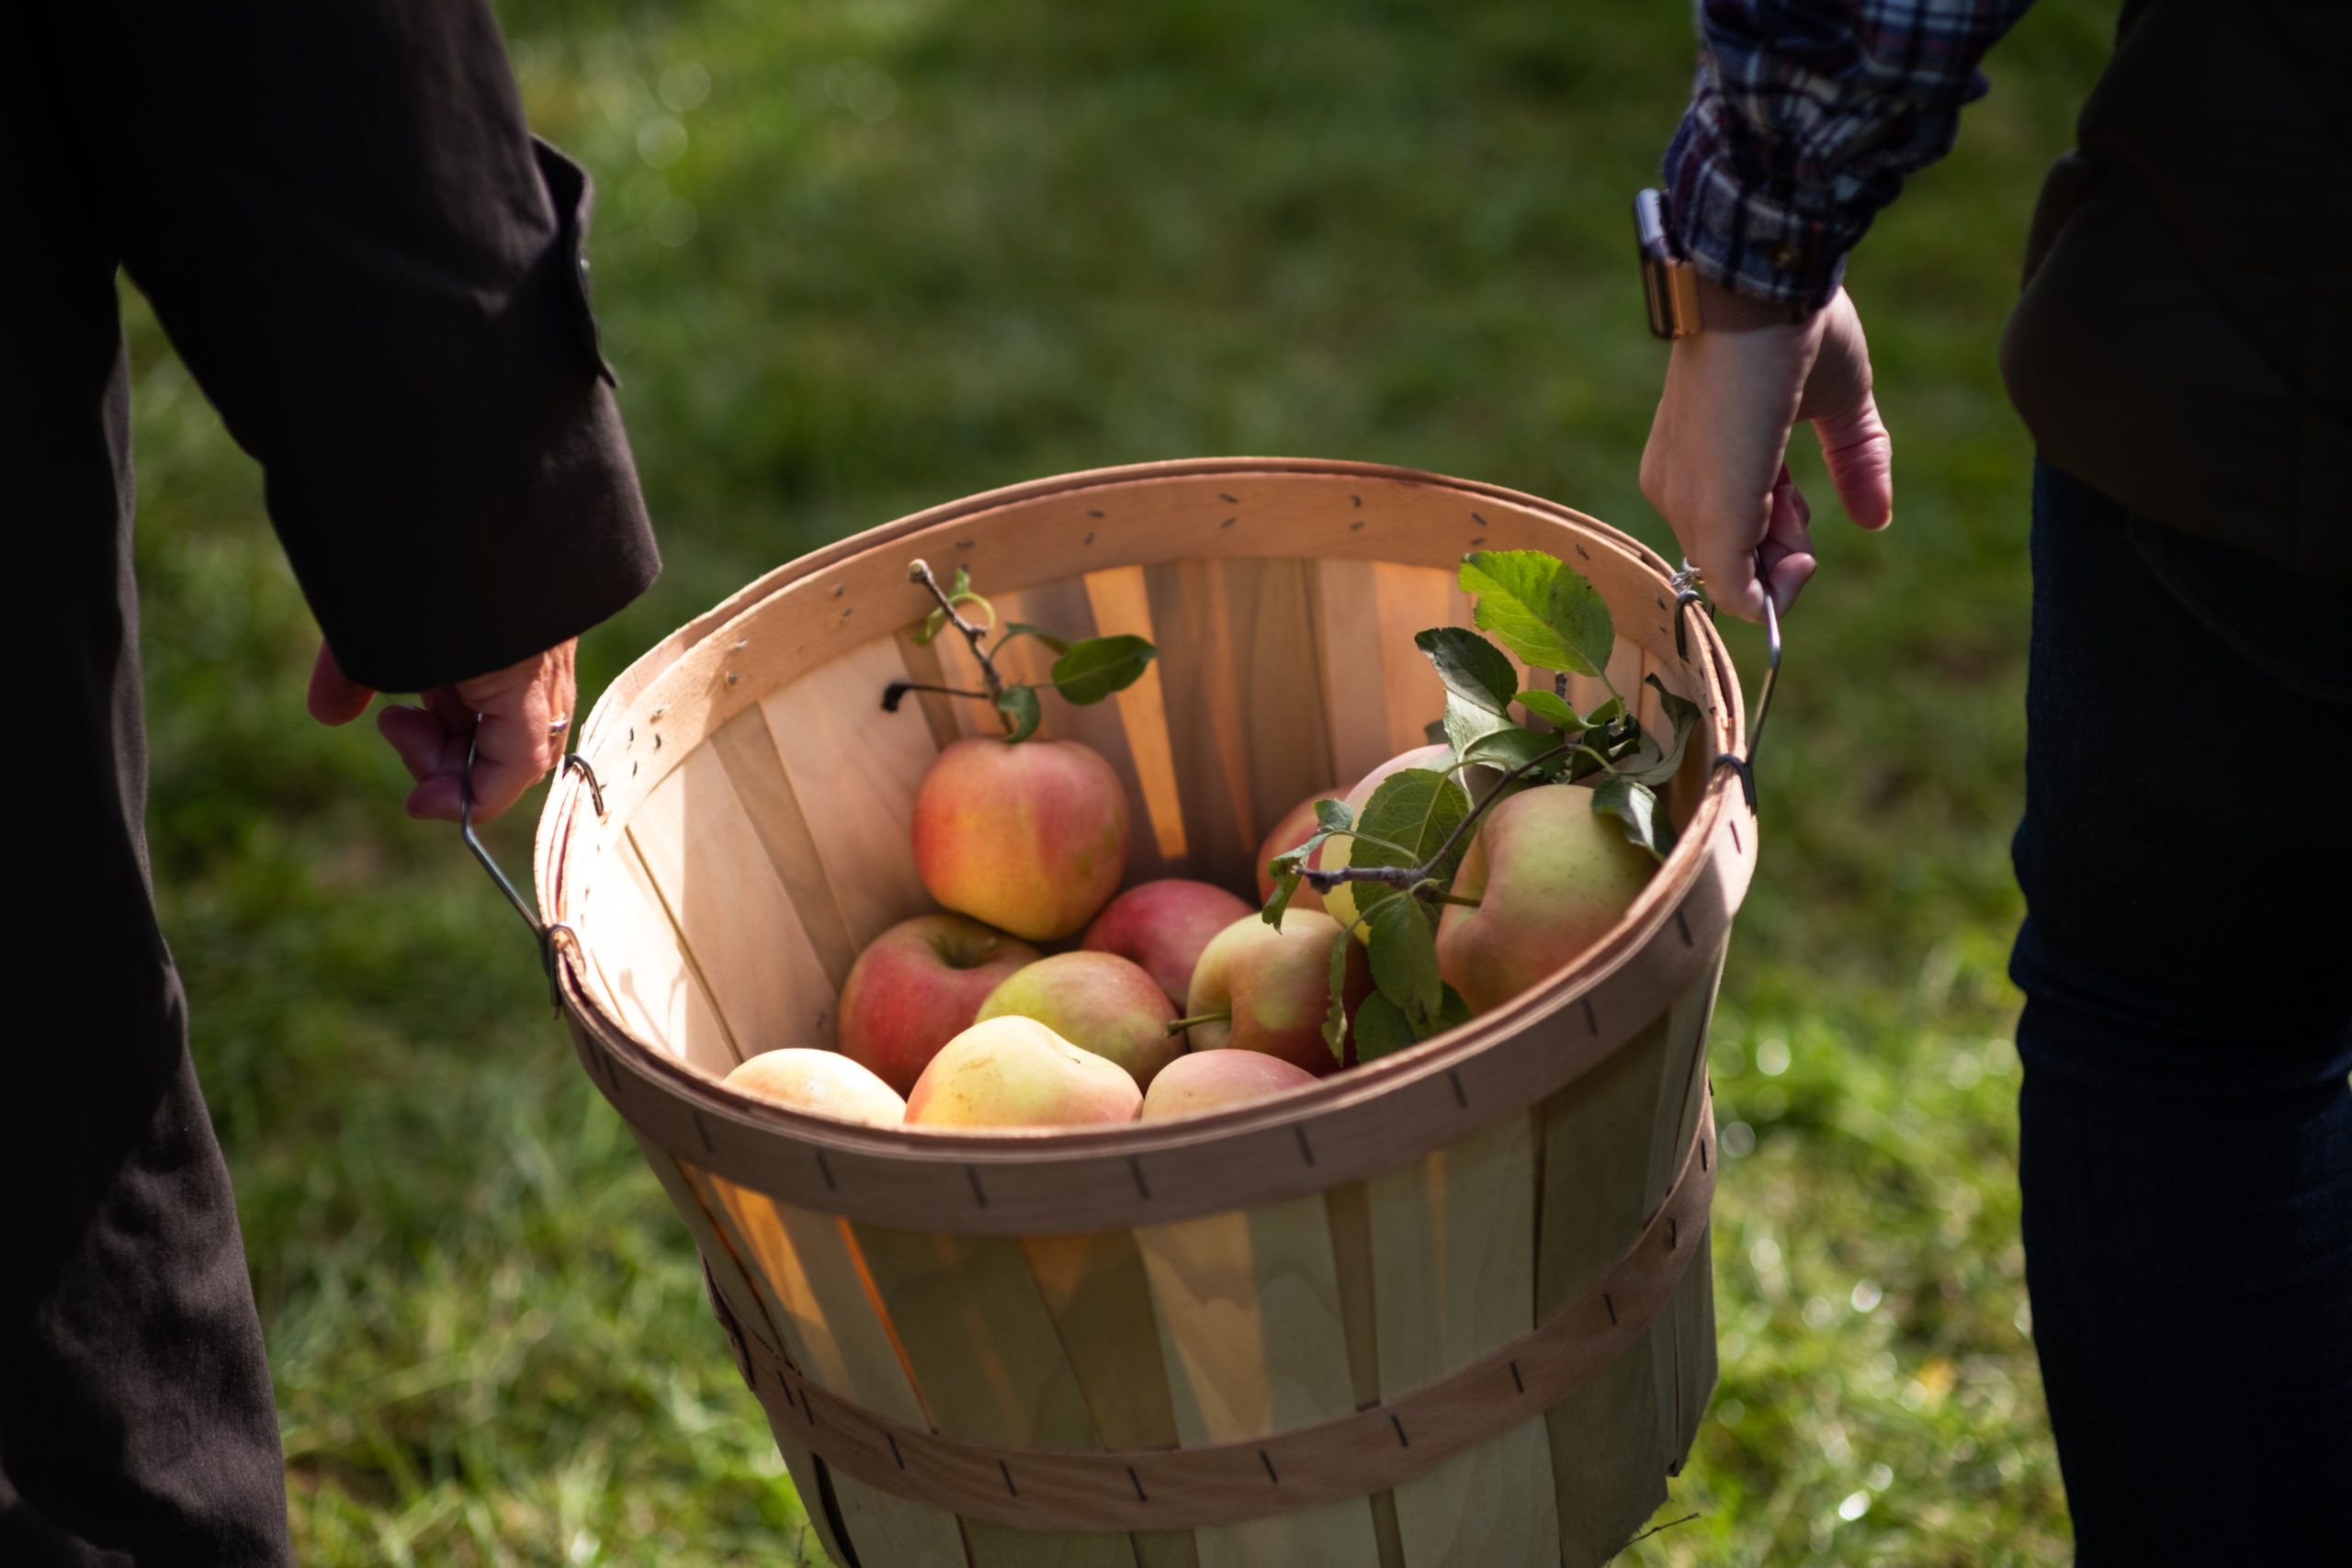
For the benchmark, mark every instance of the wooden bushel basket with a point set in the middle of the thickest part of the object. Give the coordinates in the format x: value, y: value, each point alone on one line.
x: 1450, y: 1307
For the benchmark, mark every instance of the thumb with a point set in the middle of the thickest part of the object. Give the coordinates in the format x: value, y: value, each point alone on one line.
x: 1860, y: 459
x: 336, y: 697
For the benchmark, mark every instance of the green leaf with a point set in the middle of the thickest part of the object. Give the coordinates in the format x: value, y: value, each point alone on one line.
x: 1412, y: 812
x: 1287, y: 869
x: 932, y: 625
x: 1551, y: 706
x: 1381, y: 1028
x: 1094, y: 669
x: 1404, y: 959
x: 1541, y: 609
x: 1635, y: 805
x: 1511, y: 749
x: 1019, y: 705
x: 1653, y: 765
x: 1335, y: 1020
x: 1471, y: 667
x: 1455, y: 1011
x: 1023, y: 628
x: 1334, y: 815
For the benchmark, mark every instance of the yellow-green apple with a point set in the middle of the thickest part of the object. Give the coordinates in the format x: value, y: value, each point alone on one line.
x: 1296, y: 827
x: 1163, y: 926
x: 1257, y: 988
x: 1015, y: 1072
x: 1550, y: 877
x: 1030, y: 837
x: 825, y: 1083
x: 916, y: 986
x: 1333, y: 856
x: 1211, y: 1080
x: 1097, y: 1001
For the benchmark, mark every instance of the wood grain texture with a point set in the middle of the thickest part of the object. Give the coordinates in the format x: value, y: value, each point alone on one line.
x: 1278, y: 693
x: 1355, y: 685
x: 1252, y: 1334
x: 854, y: 769
x: 974, y: 1329
x: 1122, y: 604
x: 1200, y: 681
x: 1411, y: 599
x: 748, y: 752
x: 645, y: 968
x: 743, y: 931
x: 812, y: 1281
x: 1454, y: 1253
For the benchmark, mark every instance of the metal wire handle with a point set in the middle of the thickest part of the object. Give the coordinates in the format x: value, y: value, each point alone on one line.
x: 1686, y: 584
x: 543, y: 932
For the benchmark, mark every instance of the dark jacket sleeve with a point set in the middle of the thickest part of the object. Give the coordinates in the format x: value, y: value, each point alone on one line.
x: 375, y: 275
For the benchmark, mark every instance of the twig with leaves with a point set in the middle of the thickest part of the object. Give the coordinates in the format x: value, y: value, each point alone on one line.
x: 1084, y: 672
x: 1407, y: 845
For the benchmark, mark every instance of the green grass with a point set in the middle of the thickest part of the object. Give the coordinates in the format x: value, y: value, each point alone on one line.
x: 856, y: 258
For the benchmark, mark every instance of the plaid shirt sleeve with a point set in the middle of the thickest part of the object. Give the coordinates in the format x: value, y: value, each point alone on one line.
x: 1806, y: 117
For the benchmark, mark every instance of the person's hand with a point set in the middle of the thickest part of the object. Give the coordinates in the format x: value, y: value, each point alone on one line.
x: 1715, y: 463
x: 520, y: 716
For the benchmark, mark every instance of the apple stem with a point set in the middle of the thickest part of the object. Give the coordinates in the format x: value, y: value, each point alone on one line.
x: 920, y: 572
x: 1454, y: 898
x: 1182, y: 1024
x: 1402, y: 877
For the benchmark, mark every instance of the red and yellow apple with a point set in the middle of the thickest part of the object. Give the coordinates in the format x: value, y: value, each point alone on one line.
x: 1550, y: 877
x: 1163, y: 926
x: 1099, y: 1002
x: 1257, y: 988
x: 916, y: 986
x: 1015, y: 1072
x: 824, y: 1083
x: 1211, y: 1080
x: 1030, y: 837
x: 1340, y: 902
x: 1296, y: 827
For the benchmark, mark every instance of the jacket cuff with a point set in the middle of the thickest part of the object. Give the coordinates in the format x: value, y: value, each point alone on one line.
x: 1773, y: 245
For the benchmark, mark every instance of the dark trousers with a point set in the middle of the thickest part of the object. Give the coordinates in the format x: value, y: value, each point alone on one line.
x: 136, y: 1423
x: 2186, y: 1125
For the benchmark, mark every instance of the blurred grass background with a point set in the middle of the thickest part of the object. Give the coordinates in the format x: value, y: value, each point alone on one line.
x: 857, y: 256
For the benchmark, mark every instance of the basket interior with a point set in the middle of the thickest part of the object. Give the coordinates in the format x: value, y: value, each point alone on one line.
x: 760, y: 835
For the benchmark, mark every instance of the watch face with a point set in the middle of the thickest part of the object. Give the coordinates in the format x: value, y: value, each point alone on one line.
x: 1657, y: 292
x: 1649, y: 223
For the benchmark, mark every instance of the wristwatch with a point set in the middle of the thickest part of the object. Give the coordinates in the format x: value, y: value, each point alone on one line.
x: 1681, y: 302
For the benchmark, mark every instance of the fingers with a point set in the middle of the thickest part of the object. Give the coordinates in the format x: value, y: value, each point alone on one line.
x: 334, y: 697
x: 505, y: 722
x: 1787, y: 552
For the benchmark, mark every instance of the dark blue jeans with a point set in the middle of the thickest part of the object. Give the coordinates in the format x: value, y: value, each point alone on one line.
x: 2186, y: 1125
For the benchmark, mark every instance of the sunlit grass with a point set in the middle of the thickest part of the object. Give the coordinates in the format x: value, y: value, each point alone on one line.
x: 856, y: 258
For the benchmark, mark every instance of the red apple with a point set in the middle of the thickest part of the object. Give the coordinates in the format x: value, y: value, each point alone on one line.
x: 1550, y: 877
x: 825, y: 1083
x: 1296, y: 827
x: 1163, y: 926
x: 1257, y: 988
x: 1340, y: 902
x: 1015, y: 1072
x: 1030, y: 837
x: 916, y: 986
x: 1097, y: 1001
x: 1210, y: 1081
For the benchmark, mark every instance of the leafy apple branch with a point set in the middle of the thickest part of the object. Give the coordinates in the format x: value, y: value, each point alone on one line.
x: 1084, y: 672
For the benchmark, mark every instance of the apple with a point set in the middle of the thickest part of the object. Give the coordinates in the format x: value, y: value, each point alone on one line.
x: 1260, y: 989
x: 1296, y: 827
x: 1097, y: 1001
x: 1550, y: 877
x: 824, y: 1083
x: 1015, y: 1072
x: 1030, y: 837
x: 916, y: 986
x: 1333, y: 856
x: 1163, y: 926
x: 1210, y: 1081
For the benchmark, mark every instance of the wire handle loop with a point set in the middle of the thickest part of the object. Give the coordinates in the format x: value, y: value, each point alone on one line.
x: 543, y: 932
x: 1687, y: 584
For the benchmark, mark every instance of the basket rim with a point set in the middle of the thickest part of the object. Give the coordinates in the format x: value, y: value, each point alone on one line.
x: 1721, y: 804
